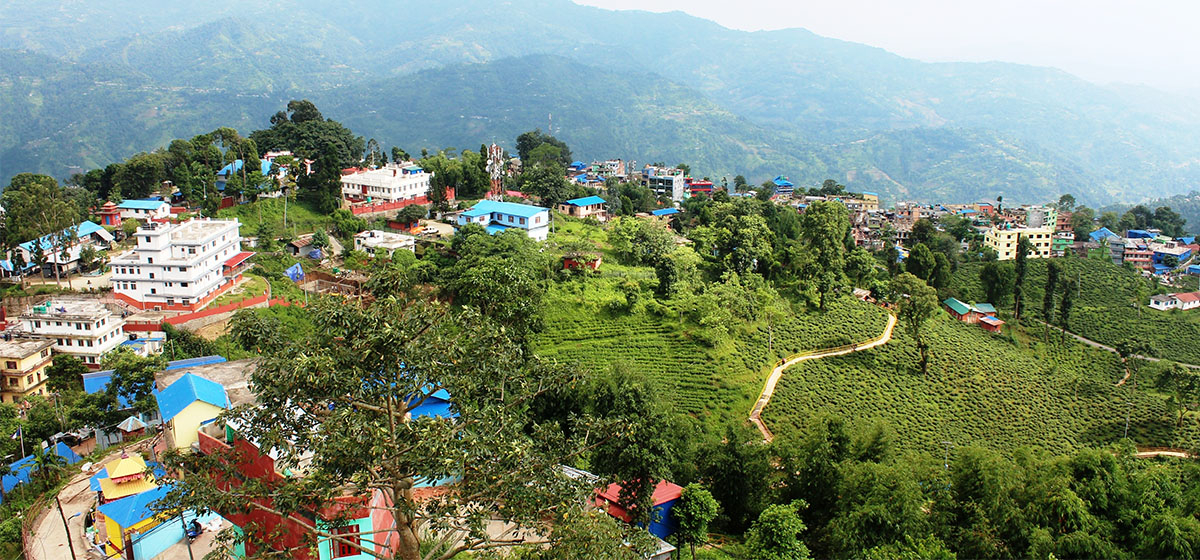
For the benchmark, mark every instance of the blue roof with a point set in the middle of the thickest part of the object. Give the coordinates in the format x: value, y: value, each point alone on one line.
x: 1161, y: 268
x: 782, y: 181
x: 264, y: 167
x: 435, y: 405
x: 187, y: 390
x: 586, y: 201
x: 130, y: 511
x: 495, y: 206
x: 1187, y: 240
x: 140, y: 204
x: 475, y: 212
x: 495, y: 228
x: 82, y: 230
x: 577, y: 164
x: 871, y: 193
x: 1139, y: 234
x: 1102, y: 233
x: 97, y: 381
x: 665, y: 211
x: 22, y: 470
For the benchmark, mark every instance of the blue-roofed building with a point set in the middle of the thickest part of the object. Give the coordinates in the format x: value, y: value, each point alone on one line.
x: 79, y: 236
x: 227, y: 172
x: 1193, y: 269
x: 664, y: 212
x: 496, y: 216
x: 21, y: 471
x: 143, y: 210
x: 1139, y: 234
x: 188, y: 403
x: 586, y: 207
x: 1101, y: 235
x: 783, y: 186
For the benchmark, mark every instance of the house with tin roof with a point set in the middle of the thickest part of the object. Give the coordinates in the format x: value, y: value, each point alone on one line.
x: 188, y: 403
x: 148, y: 209
x: 586, y: 207
x: 496, y: 216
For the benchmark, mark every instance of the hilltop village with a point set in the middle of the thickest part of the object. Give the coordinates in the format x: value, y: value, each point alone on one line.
x: 291, y: 343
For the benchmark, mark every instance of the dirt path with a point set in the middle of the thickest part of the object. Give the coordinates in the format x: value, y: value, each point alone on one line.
x: 769, y: 387
x: 1148, y: 454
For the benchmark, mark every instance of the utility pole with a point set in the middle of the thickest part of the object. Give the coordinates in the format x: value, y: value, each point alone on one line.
x: 183, y: 525
x: 70, y: 543
x: 946, y: 460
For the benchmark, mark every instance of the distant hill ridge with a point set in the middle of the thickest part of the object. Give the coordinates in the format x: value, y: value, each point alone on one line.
x: 757, y: 104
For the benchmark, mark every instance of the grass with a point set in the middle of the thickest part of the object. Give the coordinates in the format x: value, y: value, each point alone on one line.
x: 252, y: 287
x: 301, y: 216
x: 1104, y: 309
x: 998, y: 391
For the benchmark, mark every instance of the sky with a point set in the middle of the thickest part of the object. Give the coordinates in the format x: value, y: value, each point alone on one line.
x: 1151, y: 42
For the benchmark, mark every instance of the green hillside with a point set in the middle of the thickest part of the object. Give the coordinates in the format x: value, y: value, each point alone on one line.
x: 983, y: 389
x: 1104, y: 309
x: 869, y: 118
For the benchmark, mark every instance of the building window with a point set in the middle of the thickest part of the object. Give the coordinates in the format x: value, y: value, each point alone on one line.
x: 10, y: 365
x: 29, y: 380
x: 342, y: 549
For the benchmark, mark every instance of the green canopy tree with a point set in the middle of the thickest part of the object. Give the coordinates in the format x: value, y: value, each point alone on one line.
x: 776, y: 534
x: 921, y: 262
x: 824, y: 227
x: 1049, y: 295
x: 917, y: 303
x: 357, y: 378
x: 1020, y: 268
x: 66, y: 373
x: 695, y: 509
x: 133, y: 377
x: 997, y: 278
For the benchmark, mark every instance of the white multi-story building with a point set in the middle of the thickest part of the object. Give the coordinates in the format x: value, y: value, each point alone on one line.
x: 389, y: 183
x: 179, y: 267
x: 85, y: 329
x: 379, y: 243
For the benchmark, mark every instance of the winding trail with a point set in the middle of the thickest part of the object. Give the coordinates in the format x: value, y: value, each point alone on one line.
x: 769, y: 387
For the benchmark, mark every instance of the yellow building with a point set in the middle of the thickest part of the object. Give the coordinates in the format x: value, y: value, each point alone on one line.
x: 23, y: 369
x: 1004, y: 241
x: 125, y: 477
x: 188, y: 403
x: 132, y: 517
x: 870, y: 201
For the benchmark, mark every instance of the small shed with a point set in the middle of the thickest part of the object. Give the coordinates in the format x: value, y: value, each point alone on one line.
x: 666, y: 495
x: 990, y: 323
x: 985, y: 309
x: 109, y: 214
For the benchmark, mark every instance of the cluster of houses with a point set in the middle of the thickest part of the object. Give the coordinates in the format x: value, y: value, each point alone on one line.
x: 1185, y: 301
x: 191, y: 397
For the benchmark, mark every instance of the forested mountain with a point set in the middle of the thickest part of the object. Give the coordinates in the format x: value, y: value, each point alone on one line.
x: 758, y: 103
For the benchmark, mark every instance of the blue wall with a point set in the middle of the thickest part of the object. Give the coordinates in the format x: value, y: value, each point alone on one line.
x: 663, y: 525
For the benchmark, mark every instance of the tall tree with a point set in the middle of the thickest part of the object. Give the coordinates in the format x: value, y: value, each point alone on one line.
x: 917, y: 303
x: 1083, y: 223
x: 997, y: 278
x: 823, y: 228
x: 1064, y: 306
x: 1021, y: 267
x: 35, y: 206
x: 1048, y: 295
x: 1066, y: 202
x: 694, y: 511
x: 921, y: 262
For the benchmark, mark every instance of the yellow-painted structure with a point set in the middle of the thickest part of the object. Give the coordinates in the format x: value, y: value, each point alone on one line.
x: 23, y: 366
x: 1004, y: 241
x: 184, y: 426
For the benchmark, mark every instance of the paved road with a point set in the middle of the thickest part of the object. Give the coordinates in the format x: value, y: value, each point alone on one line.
x: 769, y: 387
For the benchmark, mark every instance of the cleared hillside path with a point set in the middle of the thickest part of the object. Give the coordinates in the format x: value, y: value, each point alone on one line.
x: 1101, y: 346
x: 769, y: 387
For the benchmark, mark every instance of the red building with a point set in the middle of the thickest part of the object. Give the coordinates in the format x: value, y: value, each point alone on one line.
x: 109, y: 215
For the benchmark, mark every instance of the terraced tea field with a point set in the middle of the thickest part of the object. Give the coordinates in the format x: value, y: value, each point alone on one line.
x: 982, y: 389
x: 697, y: 378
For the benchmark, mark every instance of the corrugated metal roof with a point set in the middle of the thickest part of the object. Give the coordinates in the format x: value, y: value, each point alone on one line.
x: 141, y: 204
x: 957, y: 306
x: 520, y: 210
x: 134, y: 509
x: 586, y: 201
x: 187, y: 390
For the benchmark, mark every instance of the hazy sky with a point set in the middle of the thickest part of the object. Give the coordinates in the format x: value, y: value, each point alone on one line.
x: 1149, y: 42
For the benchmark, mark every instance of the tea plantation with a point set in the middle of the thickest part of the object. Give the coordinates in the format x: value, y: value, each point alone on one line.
x: 1104, y: 309
x: 694, y: 377
x: 982, y: 389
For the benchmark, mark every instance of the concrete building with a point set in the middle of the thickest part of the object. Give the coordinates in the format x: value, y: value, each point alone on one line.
x: 586, y: 207
x: 665, y: 181
x: 1041, y: 217
x: 1004, y: 241
x: 144, y: 210
x: 389, y: 183
x: 179, y: 267
x: 870, y: 201
x: 85, y: 329
x: 23, y: 366
x: 498, y: 216
x: 376, y: 243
